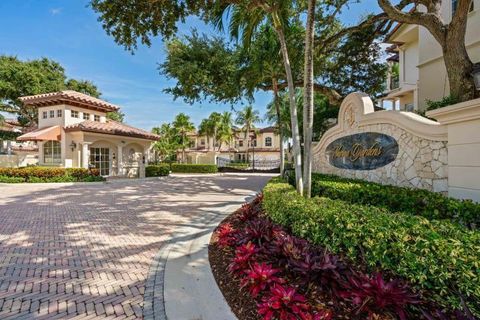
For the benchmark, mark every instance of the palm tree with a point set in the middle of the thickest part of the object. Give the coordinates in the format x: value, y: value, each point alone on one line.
x: 308, y: 99
x: 278, y: 112
x: 205, y: 129
x: 183, y: 126
x: 245, y: 19
x: 168, y: 144
x: 214, y: 120
x: 247, y: 119
x: 225, y: 132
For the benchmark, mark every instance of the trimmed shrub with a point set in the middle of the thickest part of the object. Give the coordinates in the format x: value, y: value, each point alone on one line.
x: 439, y: 257
x: 159, y: 170
x: 194, y: 168
x: 81, y: 173
x: 46, y: 174
x: 430, y: 205
x: 5, y: 179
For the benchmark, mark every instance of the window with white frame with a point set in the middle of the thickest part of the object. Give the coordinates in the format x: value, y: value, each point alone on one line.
x: 86, y: 116
x: 52, y: 113
x: 74, y: 114
x: 45, y: 115
x: 96, y: 118
x: 268, y: 141
x: 52, y: 152
x: 59, y: 113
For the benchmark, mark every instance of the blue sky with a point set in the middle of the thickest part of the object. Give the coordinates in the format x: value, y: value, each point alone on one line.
x: 68, y: 31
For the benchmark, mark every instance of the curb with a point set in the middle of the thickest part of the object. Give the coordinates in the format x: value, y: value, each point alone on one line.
x: 155, y: 305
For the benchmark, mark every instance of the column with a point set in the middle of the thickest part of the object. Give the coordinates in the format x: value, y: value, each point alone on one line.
x: 9, y: 147
x: 416, y: 106
x: 120, y: 160
x: 85, y: 155
x: 143, y: 162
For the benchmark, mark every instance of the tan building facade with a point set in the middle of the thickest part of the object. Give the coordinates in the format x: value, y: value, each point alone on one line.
x: 261, y: 145
x: 422, y: 74
x: 74, y: 132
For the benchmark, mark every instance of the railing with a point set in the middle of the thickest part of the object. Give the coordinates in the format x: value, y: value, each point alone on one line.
x: 394, y: 82
x: 251, y: 165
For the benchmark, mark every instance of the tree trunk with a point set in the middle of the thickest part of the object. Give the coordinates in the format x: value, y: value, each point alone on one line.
x: 458, y: 64
x: 247, y: 143
x: 308, y: 100
x: 297, y: 154
x: 183, y: 148
x: 279, y: 124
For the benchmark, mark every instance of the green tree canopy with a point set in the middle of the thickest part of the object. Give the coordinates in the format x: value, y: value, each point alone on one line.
x: 183, y: 126
x: 22, y: 78
x: 116, y: 116
x: 168, y: 144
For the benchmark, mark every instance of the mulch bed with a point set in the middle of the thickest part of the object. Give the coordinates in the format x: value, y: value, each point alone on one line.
x: 240, y: 301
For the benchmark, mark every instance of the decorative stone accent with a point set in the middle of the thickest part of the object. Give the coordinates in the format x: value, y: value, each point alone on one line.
x: 422, y: 146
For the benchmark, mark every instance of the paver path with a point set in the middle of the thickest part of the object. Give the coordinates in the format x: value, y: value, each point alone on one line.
x: 85, y: 250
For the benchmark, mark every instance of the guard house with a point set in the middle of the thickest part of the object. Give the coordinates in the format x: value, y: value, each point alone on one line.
x: 74, y: 132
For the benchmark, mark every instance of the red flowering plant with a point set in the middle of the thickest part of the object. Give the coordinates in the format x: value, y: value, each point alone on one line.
x: 260, y: 277
x: 373, y: 295
x: 244, y: 255
x: 249, y: 211
x: 284, y: 303
x: 226, y: 235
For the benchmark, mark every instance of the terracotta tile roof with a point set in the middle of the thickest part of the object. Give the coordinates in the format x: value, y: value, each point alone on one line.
x: 7, y: 127
x: 112, y: 127
x: 68, y: 97
x: 25, y: 148
x: 267, y: 129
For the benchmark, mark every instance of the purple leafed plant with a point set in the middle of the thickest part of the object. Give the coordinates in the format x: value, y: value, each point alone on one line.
x: 373, y: 295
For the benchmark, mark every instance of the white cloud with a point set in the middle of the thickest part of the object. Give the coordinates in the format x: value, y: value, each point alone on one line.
x: 55, y: 11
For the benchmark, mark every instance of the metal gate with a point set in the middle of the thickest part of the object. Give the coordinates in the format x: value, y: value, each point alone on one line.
x: 227, y: 165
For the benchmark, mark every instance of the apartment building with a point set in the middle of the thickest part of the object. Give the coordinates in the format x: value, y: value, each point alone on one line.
x: 417, y: 70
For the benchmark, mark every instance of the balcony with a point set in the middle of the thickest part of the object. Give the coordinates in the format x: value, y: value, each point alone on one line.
x: 394, y: 83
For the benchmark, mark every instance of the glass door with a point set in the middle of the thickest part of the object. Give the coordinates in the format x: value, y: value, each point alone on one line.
x: 100, y: 159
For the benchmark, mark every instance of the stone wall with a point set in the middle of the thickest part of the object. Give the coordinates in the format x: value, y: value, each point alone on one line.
x: 422, y: 159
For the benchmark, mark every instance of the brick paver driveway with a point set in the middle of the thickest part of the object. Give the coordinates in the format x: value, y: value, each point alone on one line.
x: 85, y: 250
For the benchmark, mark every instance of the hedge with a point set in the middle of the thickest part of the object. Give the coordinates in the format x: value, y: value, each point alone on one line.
x: 46, y: 174
x: 438, y: 257
x: 430, y: 205
x: 194, y: 168
x: 159, y: 170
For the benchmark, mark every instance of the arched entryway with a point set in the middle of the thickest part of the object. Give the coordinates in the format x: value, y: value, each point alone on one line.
x: 132, y: 159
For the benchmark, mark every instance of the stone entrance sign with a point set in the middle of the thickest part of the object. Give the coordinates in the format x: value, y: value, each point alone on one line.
x: 362, y: 151
x: 389, y: 147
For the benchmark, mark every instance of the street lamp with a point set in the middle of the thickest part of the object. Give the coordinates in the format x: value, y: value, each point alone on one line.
x: 253, y: 139
x: 476, y: 75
